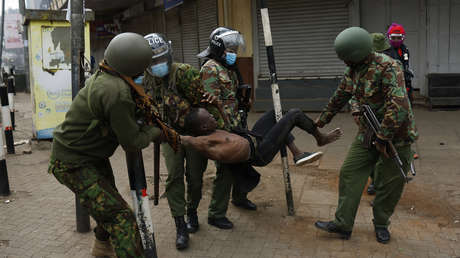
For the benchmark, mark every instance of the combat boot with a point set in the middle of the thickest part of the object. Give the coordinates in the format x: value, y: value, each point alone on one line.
x: 383, y: 235
x: 330, y: 227
x: 192, y: 223
x: 182, y: 233
x: 102, y: 249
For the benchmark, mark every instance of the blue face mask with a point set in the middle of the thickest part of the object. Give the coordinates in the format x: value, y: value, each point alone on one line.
x: 160, y: 70
x: 139, y: 79
x: 230, y: 58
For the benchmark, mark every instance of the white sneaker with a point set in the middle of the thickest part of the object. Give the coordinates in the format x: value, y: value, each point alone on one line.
x: 307, y: 157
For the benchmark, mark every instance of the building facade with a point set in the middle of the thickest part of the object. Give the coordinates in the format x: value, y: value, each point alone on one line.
x: 303, y: 34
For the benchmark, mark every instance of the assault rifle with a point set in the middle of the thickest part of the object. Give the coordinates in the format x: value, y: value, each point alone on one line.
x: 243, y: 95
x: 374, y: 124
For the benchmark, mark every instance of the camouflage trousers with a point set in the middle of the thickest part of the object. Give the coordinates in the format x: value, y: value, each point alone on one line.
x: 95, y: 187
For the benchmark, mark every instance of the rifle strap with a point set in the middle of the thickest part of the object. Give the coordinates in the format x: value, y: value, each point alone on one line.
x: 146, y: 104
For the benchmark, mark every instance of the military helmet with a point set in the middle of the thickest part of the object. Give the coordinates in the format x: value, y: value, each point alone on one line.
x: 353, y: 44
x: 128, y: 53
x: 379, y: 42
x: 221, y: 39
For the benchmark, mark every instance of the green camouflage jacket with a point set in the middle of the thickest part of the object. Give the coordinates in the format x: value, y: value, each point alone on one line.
x: 177, y: 95
x: 222, y: 83
x: 379, y: 82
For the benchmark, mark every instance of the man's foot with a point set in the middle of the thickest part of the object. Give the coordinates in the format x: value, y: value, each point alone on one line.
x: 382, y: 235
x: 245, y: 204
x: 102, y: 249
x: 182, y: 233
x: 371, y: 203
x: 307, y: 157
x: 192, y: 223
x: 332, y: 136
x: 371, y: 189
x: 330, y: 227
x: 222, y: 223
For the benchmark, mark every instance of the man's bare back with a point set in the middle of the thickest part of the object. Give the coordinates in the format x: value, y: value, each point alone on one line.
x: 220, y: 145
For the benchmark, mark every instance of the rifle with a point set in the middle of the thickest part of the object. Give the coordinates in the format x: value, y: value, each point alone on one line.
x: 374, y: 124
x: 156, y: 172
x: 243, y: 95
x: 146, y: 105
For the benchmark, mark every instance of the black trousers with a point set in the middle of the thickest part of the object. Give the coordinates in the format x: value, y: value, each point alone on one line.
x: 275, y: 135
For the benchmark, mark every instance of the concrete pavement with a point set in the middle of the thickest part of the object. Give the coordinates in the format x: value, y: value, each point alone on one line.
x: 39, y: 219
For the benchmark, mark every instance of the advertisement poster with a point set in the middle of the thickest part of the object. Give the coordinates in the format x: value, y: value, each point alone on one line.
x: 50, y: 74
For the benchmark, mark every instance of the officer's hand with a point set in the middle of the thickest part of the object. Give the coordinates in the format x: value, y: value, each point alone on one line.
x: 381, y: 146
x: 319, y: 123
x: 208, y: 98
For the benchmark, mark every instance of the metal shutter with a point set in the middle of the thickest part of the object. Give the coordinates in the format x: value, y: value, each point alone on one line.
x: 173, y: 32
x: 207, y: 21
x: 303, y: 37
x: 189, y: 33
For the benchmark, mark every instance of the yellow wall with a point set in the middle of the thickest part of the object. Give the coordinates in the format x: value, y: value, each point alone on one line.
x: 237, y: 14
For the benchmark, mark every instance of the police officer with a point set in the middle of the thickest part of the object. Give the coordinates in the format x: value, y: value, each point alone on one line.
x: 379, y: 45
x: 175, y: 88
x: 376, y: 80
x: 219, y: 77
x: 101, y: 117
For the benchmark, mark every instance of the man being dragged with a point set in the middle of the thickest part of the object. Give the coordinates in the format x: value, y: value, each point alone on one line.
x: 244, y: 146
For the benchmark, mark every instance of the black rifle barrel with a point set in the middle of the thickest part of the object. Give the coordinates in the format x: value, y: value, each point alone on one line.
x: 156, y: 173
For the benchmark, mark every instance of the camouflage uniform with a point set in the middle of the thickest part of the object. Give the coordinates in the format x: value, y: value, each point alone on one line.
x: 174, y: 98
x: 378, y: 82
x: 222, y: 83
x: 101, y: 117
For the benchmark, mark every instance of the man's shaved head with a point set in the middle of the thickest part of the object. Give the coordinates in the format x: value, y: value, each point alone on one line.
x: 200, y: 122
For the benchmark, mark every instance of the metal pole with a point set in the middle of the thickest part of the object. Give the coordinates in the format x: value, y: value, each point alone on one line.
x: 25, y: 36
x: 2, y: 33
x: 77, y: 44
x: 6, y: 120
x: 4, y: 183
x: 138, y: 185
x: 276, y: 102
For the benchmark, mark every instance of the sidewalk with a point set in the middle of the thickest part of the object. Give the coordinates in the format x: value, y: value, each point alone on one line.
x: 39, y: 219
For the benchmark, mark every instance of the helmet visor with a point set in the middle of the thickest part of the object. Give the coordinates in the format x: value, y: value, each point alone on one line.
x: 233, y: 40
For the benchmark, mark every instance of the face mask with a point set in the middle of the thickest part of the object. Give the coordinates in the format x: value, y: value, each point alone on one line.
x: 139, y: 79
x: 160, y: 70
x: 230, y: 58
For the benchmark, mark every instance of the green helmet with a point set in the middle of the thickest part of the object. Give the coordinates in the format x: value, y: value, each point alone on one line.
x: 353, y: 44
x: 128, y: 53
x: 379, y: 42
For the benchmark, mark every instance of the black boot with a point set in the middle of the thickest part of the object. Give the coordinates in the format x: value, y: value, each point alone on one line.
x: 222, y: 223
x: 330, y: 227
x: 371, y: 189
x: 245, y: 204
x: 192, y: 223
x: 182, y: 234
x: 382, y: 235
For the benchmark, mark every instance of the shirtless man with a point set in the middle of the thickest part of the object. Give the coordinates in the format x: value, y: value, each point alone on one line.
x: 243, y: 145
